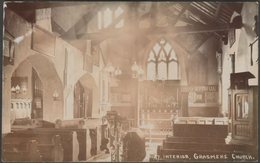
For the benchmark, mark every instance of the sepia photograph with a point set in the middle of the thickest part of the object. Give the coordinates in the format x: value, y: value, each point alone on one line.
x: 130, y: 81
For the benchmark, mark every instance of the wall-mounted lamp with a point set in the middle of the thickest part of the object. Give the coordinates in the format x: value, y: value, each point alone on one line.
x: 118, y: 71
x: 55, y: 95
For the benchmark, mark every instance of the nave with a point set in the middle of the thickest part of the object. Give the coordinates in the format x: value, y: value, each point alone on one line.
x: 130, y: 81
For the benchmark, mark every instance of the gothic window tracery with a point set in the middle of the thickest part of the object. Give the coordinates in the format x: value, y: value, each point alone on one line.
x: 162, y: 62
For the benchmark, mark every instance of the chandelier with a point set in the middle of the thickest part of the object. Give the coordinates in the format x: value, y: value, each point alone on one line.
x: 112, y: 71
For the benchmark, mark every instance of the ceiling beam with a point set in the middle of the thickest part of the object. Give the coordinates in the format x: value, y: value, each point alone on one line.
x: 81, y: 23
x: 195, y: 11
x: 207, y: 37
x: 217, y: 10
x: 181, y: 13
x: 173, y: 17
x: 152, y: 31
x: 39, y: 5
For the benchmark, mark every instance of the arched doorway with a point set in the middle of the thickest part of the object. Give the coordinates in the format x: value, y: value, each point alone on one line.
x: 86, y: 99
x: 33, y: 84
x: 82, y: 101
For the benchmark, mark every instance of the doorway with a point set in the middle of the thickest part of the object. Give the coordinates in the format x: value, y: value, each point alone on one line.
x: 37, y: 96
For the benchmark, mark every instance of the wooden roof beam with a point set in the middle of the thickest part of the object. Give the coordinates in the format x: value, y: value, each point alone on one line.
x: 181, y: 13
x: 152, y: 31
x: 82, y: 22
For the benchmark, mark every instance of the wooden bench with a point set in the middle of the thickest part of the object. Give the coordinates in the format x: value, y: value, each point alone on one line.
x: 198, y: 136
x: 80, y: 138
x: 26, y: 151
x: 195, y: 139
x: 200, y: 130
x: 89, y: 135
x: 43, y: 131
x: 201, y: 146
x: 50, y: 149
x: 68, y: 140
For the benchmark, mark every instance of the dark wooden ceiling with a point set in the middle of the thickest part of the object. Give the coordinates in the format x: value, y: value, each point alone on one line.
x: 204, y: 12
x: 203, y: 19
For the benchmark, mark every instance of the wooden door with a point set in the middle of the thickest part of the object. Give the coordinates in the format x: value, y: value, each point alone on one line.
x: 242, y: 116
x: 79, y: 101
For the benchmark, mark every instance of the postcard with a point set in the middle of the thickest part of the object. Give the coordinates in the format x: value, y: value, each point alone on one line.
x: 130, y: 81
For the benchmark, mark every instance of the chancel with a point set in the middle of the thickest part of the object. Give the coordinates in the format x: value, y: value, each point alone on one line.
x: 130, y: 81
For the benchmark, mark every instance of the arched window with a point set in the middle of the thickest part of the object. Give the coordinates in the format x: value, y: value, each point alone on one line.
x: 108, y: 16
x: 162, y: 62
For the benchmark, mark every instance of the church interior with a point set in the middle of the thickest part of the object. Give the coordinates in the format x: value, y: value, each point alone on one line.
x: 130, y: 81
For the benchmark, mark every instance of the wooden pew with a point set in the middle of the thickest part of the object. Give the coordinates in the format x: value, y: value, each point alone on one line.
x: 201, y: 146
x: 49, y: 148
x: 88, y: 133
x: 68, y: 140
x: 52, y: 151
x: 18, y: 151
x: 202, y: 136
x: 200, y: 130
x: 193, y: 134
x: 80, y: 138
x: 195, y: 139
x: 43, y: 131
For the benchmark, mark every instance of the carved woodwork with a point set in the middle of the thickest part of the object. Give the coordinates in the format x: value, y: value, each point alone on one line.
x: 243, y: 116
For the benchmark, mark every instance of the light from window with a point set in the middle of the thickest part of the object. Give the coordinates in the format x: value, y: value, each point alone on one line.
x: 173, y: 71
x: 118, y: 11
x: 151, y: 73
x: 107, y: 17
x: 162, y: 71
x: 162, y: 63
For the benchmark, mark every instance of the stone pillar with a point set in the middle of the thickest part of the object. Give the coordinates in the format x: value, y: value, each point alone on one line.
x: 6, y: 104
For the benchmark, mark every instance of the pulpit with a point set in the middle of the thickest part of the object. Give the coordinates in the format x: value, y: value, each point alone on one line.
x: 243, y: 110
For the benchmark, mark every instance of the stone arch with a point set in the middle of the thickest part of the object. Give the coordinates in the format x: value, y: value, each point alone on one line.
x: 89, y: 83
x: 52, y: 109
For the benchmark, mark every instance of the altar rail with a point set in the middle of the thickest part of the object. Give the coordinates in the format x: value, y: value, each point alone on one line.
x: 202, y: 120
